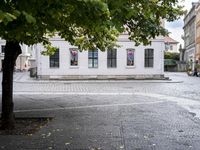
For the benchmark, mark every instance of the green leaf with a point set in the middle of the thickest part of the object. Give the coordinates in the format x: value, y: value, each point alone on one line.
x: 49, y: 50
x: 9, y: 17
x: 16, y: 12
x: 29, y: 18
x: 88, y: 24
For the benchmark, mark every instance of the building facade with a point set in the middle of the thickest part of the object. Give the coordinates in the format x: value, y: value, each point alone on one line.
x: 198, y: 33
x: 190, y: 36
x: 125, y: 62
x: 22, y: 62
x: 171, y: 45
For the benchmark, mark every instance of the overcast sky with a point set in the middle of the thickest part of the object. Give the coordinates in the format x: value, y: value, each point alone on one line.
x: 176, y: 27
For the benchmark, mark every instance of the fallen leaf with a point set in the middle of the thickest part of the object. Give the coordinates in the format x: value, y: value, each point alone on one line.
x: 146, y: 137
x: 121, y: 147
x: 29, y: 134
x: 49, y: 134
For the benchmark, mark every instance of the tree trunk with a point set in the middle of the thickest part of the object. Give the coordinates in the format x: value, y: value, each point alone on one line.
x: 12, y: 50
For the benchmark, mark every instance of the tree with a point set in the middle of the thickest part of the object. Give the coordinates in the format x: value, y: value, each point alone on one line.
x: 88, y: 24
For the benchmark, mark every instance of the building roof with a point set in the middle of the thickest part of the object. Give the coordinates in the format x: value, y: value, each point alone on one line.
x: 170, y: 40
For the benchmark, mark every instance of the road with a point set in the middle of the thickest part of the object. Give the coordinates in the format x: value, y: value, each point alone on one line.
x: 110, y: 115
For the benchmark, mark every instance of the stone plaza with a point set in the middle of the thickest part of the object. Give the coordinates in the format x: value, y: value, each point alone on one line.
x: 109, y: 114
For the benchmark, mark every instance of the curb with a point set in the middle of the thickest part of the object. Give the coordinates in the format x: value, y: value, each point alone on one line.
x: 95, y: 81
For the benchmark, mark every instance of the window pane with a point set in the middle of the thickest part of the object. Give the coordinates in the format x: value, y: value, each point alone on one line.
x: 96, y: 54
x: 95, y: 63
x: 146, y: 53
x: 150, y: 52
x: 114, y: 52
x: 90, y: 63
x: 171, y: 47
x: 109, y: 53
x: 109, y: 63
x: 146, y: 63
x: 114, y: 63
x: 150, y: 62
x: 74, y: 57
x: 90, y: 53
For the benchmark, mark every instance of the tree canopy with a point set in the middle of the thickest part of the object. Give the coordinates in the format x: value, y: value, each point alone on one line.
x: 88, y: 24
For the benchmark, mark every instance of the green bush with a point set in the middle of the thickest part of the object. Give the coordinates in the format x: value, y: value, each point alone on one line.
x: 174, y: 56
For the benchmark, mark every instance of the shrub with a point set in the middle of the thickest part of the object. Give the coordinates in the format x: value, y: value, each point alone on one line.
x: 174, y: 56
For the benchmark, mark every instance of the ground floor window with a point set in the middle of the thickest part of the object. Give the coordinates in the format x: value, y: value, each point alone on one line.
x: 54, y: 60
x: 112, y: 58
x: 73, y: 57
x: 3, y: 48
x: 149, y: 57
x: 130, y: 57
x: 93, y: 59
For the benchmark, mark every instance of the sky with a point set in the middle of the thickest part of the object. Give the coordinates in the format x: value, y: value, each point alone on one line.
x: 176, y: 27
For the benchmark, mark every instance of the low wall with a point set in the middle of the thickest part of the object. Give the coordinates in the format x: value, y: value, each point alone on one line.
x: 181, y: 66
x: 104, y: 77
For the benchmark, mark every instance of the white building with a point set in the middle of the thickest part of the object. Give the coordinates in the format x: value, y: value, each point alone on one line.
x: 126, y: 62
x: 22, y: 60
x: 171, y: 45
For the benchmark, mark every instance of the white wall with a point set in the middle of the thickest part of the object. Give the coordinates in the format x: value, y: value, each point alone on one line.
x: 22, y: 60
x: 82, y: 69
x: 174, y: 49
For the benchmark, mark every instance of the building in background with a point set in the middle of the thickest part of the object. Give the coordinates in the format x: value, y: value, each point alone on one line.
x: 190, y: 36
x: 22, y: 62
x: 171, y: 45
x: 198, y: 33
x: 125, y: 62
x: 171, y: 58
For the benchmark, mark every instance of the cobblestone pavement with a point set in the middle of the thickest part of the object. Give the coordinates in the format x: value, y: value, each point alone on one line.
x: 109, y: 115
x: 180, y: 85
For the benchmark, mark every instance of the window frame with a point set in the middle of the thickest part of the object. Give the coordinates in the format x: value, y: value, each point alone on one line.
x: 130, y: 49
x: 171, y: 47
x: 148, y: 58
x: 55, y: 58
x: 3, y: 49
x: 93, y: 58
x: 70, y: 56
x: 111, y: 57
